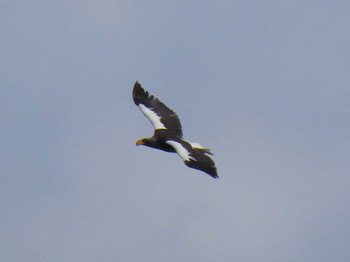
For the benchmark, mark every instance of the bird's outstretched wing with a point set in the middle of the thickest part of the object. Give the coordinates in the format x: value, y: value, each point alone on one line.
x: 194, y: 157
x: 161, y: 116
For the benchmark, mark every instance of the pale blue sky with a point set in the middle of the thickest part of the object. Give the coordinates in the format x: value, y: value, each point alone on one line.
x: 264, y: 84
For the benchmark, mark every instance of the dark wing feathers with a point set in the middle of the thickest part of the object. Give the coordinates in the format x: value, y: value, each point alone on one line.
x: 200, y: 160
x: 168, y: 117
x: 205, y: 164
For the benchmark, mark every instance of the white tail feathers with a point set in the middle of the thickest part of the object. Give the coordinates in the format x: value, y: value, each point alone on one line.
x: 200, y: 147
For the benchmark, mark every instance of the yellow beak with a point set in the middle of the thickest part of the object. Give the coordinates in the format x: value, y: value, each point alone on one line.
x: 140, y: 142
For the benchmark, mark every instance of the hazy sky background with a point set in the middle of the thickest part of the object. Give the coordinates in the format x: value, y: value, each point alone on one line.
x: 264, y: 84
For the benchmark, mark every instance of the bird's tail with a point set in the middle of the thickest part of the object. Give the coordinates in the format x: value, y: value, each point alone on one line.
x: 201, y: 148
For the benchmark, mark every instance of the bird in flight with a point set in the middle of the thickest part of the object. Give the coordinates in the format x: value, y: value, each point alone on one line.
x: 168, y: 133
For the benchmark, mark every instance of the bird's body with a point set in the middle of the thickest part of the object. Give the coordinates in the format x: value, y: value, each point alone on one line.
x: 168, y: 133
x: 158, y: 141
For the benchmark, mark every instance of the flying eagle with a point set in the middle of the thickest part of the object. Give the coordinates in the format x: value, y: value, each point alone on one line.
x: 168, y: 133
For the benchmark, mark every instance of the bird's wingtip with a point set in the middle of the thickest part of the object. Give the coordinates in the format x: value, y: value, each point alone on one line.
x: 215, y: 176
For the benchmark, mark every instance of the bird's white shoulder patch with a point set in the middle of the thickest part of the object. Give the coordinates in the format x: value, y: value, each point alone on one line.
x: 152, y: 116
x: 181, y: 151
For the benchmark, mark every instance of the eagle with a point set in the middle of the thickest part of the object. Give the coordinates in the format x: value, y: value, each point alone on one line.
x: 168, y: 133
